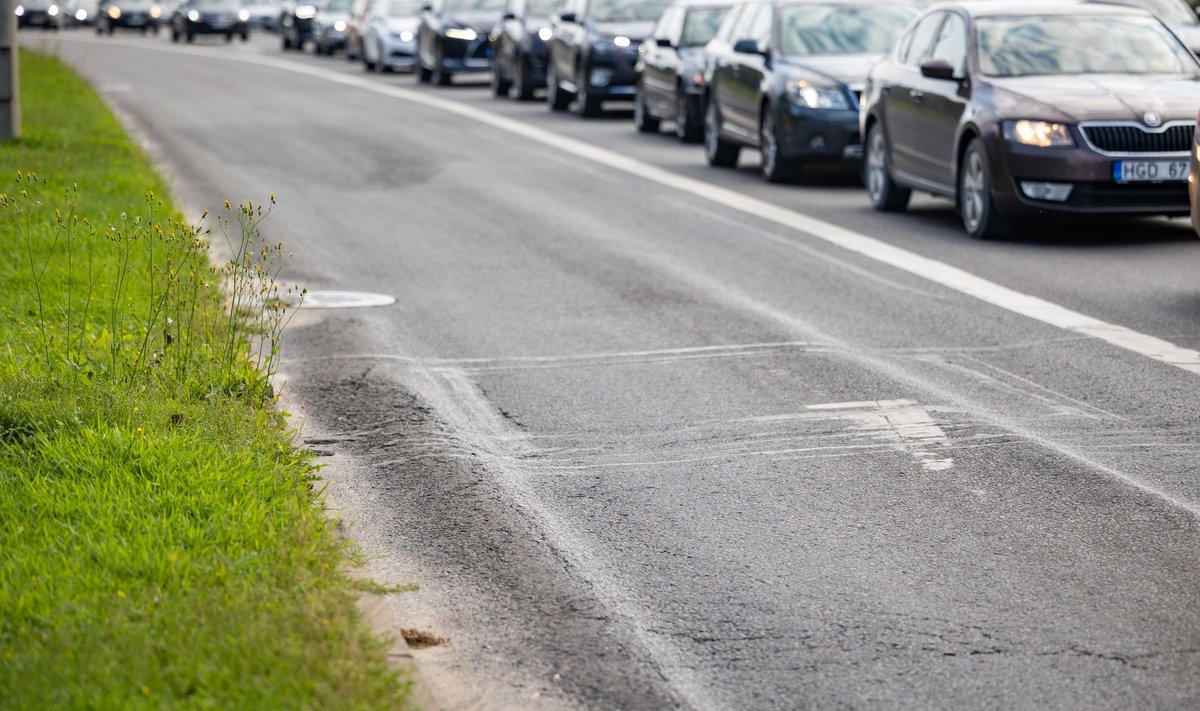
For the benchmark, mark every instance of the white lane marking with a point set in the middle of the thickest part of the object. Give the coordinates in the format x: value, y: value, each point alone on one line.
x: 931, y: 269
x: 903, y: 423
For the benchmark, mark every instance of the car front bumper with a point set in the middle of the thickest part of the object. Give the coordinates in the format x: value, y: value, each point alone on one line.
x: 398, y: 54
x: 818, y: 135
x: 1090, y: 175
x: 612, y: 75
x: 217, y: 27
x: 466, y: 55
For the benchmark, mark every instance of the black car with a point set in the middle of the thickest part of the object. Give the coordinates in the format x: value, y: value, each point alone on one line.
x: 453, y: 37
x: 785, y: 77
x: 296, y: 24
x: 519, y: 46
x: 1017, y: 110
x: 670, y: 71
x: 139, y: 15
x: 47, y: 14
x: 594, y: 50
x: 210, y: 17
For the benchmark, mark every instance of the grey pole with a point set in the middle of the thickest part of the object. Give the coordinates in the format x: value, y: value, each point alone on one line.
x: 10, y: 95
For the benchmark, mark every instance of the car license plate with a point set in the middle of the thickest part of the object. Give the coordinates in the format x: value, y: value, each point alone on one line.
x: 1150, y: 171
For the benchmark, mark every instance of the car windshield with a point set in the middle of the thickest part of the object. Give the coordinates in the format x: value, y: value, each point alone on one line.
x: 815, y: 30
x: 473, y: 5
x: 404, y: 8
x: 1176, y: 12
x: 627, y: 10
x: 542, y: 8
x: 1047, y: 45
x: 338, y: 5
x: 216, y: 3
x: 700, y: 26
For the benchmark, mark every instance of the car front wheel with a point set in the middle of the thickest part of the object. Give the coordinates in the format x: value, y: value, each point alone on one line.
x: 642, y: 119
x: 557, y: 99
x: 776, y: 168
x: 975, y: 203
x: 719, y: 152
x: 884, y: 193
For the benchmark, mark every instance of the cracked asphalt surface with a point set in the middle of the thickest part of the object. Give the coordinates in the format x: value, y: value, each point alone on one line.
x: 643, y: 452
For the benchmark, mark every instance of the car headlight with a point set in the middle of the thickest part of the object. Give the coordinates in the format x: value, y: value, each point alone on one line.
x: 339, y: 26
x: 155, y: 11
x: 18, y: 11
x: 545, y: 34
x: 405, y: 36
x: 193, y: 15
x: 81, y: 14
x: 52, y: 11
x: 114, y: 12
x: 243, y: 15
x: 305, y: 12
x: 817, y: 97
x: 465, y: 34
x: 1043, y: 134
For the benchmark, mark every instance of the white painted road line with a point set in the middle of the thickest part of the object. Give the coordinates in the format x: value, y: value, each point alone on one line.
x: 933, y: 270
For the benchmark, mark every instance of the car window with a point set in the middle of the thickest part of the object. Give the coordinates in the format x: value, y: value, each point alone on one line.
x: 662, y: 30
x: 540, y: 8
x: 1048, y: 45
x: 626, y: 10
x: 818, y: 30
x: 728, y: 23
x: 572, y: 6
x: 951, y: 44
x: 749, y: 14
x: 471, y: 5
x: 1174, y: 12
x: 700, y: 25
x: 404, y: 8
x: 922, y: 38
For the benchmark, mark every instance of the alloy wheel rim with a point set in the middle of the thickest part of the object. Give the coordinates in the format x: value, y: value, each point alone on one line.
x: 972, y: 192
x: 770, y: 149
x: 875, y: 166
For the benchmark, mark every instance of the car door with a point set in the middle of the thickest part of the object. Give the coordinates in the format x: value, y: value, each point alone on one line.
x: 735, y: 97
x: 502, y: 38
x: 945, y: 101
x: 427, y: 33
x: 902, y: 98
x: 744, y: 93
x: 567, y: 29
x: 658, y: 75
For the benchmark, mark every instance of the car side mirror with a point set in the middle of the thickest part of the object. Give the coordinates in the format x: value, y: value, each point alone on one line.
x: 663, y: 41
x: 938, y: 69
x: 746, y: 46
x: 567, y: 17
x: 427, y: 8
x: 507, y: 16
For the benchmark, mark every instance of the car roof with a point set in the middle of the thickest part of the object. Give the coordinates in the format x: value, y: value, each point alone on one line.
x: 1001, y: 8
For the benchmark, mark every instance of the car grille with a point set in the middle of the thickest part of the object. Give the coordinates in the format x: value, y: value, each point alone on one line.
x: 1130, y: 138
x: 1171, y: 197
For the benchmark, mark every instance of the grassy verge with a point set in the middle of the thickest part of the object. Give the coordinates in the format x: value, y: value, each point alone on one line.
x: 160, y: 542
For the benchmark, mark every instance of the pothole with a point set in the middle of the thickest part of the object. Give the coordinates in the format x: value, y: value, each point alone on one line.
x: 418, y: 639
x: 327, y: 299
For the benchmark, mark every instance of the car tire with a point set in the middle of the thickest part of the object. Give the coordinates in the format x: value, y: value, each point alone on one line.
x: 175, y: 36
x: 144, y: 31
x: 500, y: 85
x: 719, y: 152
x: 111, y: 28
x: 228, y: 36
x: 776, y: 168
x: 978, y: 210
x: 245, y: 36
x: 688, y: 130
x: 556, y: 98
x: 154, y: 29
x: 190, y: 37
x: 522, y: 86
x: 884, y: 193
x: 286, y: 42
x: 587, y: 102
x: 642, y: 120
x: 440, y: 76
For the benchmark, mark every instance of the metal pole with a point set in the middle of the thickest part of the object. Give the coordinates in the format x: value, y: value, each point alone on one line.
x: 10, y: 94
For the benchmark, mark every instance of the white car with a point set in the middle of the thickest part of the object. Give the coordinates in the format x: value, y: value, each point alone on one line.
x: 390, y: 40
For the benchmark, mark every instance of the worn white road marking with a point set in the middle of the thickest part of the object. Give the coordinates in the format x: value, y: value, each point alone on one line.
x: 933, y: 270
x: 908, y: 426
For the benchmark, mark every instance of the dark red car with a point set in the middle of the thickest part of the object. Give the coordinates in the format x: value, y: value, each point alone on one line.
x: 1015, y: 110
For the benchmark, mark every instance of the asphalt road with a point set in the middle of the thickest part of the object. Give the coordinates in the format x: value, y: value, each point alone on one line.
x: 643, y: 447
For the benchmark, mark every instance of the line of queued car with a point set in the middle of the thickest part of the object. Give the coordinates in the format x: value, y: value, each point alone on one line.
x: 184, y: 19
x: 1012, y: 109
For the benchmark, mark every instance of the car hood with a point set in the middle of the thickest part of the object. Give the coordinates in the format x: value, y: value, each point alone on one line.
x: 327, y: 17
x: 1105, y: 97
x: 1190, y: 34
x: 633, y: 30
x: 849, y: 69
x: 481, y: 22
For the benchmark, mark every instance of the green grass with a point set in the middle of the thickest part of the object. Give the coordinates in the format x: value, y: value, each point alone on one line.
x: 161, y: 544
